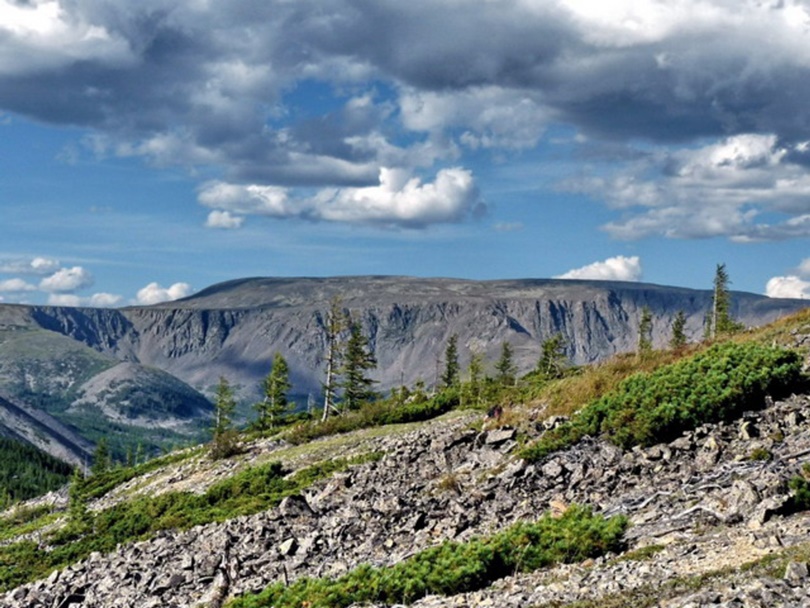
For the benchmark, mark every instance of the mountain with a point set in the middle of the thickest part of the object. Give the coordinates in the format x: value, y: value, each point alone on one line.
x: 234, y: 328
x: 61, y: 396
x: 138, y: 374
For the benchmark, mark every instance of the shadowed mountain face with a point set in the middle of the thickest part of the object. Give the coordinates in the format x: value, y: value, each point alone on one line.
x: 233, y: 329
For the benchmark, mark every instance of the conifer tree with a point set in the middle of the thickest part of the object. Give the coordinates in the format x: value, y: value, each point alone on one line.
x: 224, y: 441
x: 552, y: 362
x: 506, y: 366
x: 645, y: 327
x: 335, y: 323
x: 357, y: 361
x: 719, y: 319
x: 276, y: 386
x: 101, y: 457
x: 78, y: 515
x: 451, y: 368
x: 476, y: 373
x: 678, y: 339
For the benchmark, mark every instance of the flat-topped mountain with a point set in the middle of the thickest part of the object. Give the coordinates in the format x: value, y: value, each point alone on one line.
x: 233, y: 329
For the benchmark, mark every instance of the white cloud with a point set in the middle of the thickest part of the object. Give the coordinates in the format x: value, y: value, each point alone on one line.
x: 43, y: 35
x: 38, y: 266
x: 249, y: 200
x: 97, y: 300
x: 105, y: 300
x: 403, y: 200
x: 64, y: 299
x: 804, y: 268
x: 154, y: 293
x: 619, y: 268
x: 723, y: 189
x: 787, y: 287
x: 489, y: 116
x: 15, y: 286
x: 224, y: 220
x: 67, y: 280
x: 398, y: 200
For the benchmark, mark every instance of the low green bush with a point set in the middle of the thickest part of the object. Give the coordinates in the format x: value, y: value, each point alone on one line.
x: 377, y: 413
x: 646, y: 408
x: 453, y: 567
x: 253, y: 490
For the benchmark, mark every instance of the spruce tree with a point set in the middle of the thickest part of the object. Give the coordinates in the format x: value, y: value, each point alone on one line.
x: 678, y: 339
x: 224, y: 441
x: 720, y: 320
x: 276, y: 386
x: 101, y: 457
x: 552, y: 362
x: 506, y: 366
x: 476, y: 376
x: 357, y: 361
x: 645, y: 327
x: 335, y: 323
x: 451, y: 368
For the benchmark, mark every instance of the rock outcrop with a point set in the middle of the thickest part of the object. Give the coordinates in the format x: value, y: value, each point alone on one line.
x: 716, y: 497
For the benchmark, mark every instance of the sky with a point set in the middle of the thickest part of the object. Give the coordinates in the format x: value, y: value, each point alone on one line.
x: 150, y: 149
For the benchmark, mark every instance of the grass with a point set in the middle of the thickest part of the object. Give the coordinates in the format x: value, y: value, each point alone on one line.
x: 452, y: 568
x: 250, y: 491
x: 645, y: 408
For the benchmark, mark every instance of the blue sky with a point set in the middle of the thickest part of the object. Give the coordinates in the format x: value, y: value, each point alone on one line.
x: 150, y: 149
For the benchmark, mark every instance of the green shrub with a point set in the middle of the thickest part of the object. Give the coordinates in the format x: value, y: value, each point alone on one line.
x: 377, y: 413
x: 801, y: 493
x: 646, y: 408
x: 249, y: 491
x: 452, y: 567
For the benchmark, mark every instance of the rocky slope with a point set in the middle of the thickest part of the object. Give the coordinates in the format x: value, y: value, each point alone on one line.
x: 234, y: 328
x: 702, y: 507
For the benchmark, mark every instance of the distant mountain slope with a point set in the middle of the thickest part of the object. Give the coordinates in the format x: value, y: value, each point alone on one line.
x: 234, y: 328
x: 26, y: 471
x: 43, y: 431
x: 61, y: 396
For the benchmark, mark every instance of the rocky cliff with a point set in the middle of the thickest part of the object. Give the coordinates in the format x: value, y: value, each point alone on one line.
x: 234, y: 328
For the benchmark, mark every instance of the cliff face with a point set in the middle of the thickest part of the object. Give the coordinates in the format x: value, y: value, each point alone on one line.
x: 233, y: 329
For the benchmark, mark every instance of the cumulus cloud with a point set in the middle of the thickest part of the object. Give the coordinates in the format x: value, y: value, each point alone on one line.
x: 15, y: 286
x: 804, y: 268
x: 105, y: 300
x: 787, y: 287
x: 412, y: 86
x: 399, y: 200
x: 67, y: 280
x: 97, y: 300
x: 224, y: 220
x: 619, y: 268
x: 731, y: 188
x: 154, y: 293
x: 37, y: 266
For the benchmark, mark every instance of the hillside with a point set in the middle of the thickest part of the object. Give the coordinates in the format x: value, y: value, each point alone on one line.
x: 714, y: 515
x: 61, y: 396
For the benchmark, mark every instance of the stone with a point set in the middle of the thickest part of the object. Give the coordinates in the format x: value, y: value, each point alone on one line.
x: 288, y: 547
x: 796, y: 573
x: 295, y: 506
